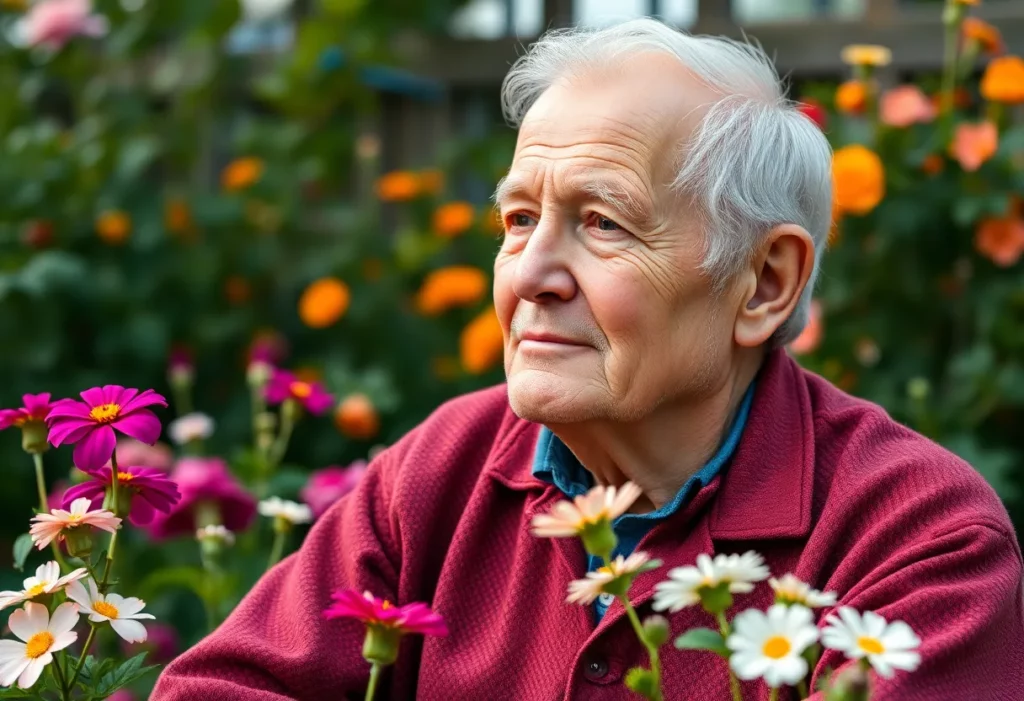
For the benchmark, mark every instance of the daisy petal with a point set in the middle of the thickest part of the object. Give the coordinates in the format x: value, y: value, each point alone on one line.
x: 65, y: 617
x: 35, y: 668
x: 27, y: 621
x: 63, y: 640
x: 10, y: 671
x: 132, y: 631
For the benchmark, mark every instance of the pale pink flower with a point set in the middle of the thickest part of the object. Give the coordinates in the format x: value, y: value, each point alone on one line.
x: 47, y: 580
x: 122, y: 613
x: 906, y: 105
x: 46, y: 527
x: 586, y: 590
x: 601, y: 503
x: 52, y: 23
x: 43, y: 635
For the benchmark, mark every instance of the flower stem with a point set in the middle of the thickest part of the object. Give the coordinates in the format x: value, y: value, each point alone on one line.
x: 652, y: 650
x: 773, y: 695
x: 802, y: 689
x: 81, y: 658
x: 278, y: 548
x: 65, y: 690
x: 734, y: 683
x: 37, y: 458
x: 371, y: 688
x: 113, y: 536
x: 277, y: 451
x: 951, y: 18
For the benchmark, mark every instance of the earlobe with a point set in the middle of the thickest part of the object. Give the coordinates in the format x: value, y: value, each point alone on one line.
x: 778, y: 277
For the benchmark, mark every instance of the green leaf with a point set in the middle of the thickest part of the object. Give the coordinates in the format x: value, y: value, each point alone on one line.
x: 703, y: 639
x: 16, y: 693
x: 22, y: 547
x: 136, y: 154
x: 93, y: 670
x: 124, y: 675
x: 643, y: 682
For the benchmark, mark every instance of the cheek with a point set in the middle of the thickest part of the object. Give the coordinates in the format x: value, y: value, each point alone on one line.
x: 504, y: 296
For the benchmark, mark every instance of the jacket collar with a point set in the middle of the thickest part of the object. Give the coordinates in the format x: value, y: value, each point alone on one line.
x: 765, y: 493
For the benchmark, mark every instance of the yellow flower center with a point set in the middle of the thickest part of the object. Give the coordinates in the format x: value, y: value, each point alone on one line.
x: 386, y: 605
x: 300, y: 389
x: 105, y: 413
x: 36, y: 590
x: 105, y: 609
x: 125, y: 477
x: 776, y: 647
x: 872, y: 646
x: 39, y: 644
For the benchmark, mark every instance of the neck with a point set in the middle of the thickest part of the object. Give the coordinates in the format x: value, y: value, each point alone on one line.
x: 661, y: 451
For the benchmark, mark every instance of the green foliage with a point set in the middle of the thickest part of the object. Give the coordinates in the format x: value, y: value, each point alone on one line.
x: 22, y: 547
x: 703, y: 639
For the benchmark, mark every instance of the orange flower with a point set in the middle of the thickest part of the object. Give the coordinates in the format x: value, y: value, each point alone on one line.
x: 432, y: 181
x: 1001, y: 240
x: 906, y: 105
x: 177, y: 217
x: 932, y: 164
x: 482, y: 343
x: 866, y: 55
x: 323, y: 302
x: 852, y: 97
x: 859, y: 179
x: 237, y: 290
x: 1003, y: 80
x: 810, y: 338
x: 454, y: 286
x: 241, y: 174
x: 114, y: 226
x: 986, y: 36
x: 453, y: 219
x: 356, y: 417
x: 398, y: 186
x: 973, y: 144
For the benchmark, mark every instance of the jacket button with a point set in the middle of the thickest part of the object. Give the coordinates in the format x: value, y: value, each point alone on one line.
x: 595, y: 669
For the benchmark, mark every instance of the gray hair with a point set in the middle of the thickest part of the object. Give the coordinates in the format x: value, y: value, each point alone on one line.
x: 753, y: 162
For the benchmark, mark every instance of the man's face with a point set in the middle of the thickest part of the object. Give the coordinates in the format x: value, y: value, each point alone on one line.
x: 605, y: 312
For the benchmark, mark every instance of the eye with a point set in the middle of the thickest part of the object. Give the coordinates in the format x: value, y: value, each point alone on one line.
x: 517, y: 220
x: 605, y: 224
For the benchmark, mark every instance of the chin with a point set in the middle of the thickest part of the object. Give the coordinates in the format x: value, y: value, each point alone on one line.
x: 546, y: 398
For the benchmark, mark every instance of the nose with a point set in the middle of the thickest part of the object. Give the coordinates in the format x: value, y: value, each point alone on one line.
x: 542, y: 271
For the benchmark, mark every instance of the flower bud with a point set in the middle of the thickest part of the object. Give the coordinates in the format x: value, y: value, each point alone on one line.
x: 290, y: 411
x: 599, y: 539
x: 258, y: 374
x: 717, y: 599
x: 381, y: 644
x: 657, y: 630
x: 79, y: 542
x: 266, y: 424
x: 643, y: 682
x: 33, y: 437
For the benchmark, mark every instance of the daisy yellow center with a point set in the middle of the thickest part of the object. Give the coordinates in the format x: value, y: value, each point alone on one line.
x: 36, y: 590
x: 872, y: 646
x: 125, y: 477
x: 105, y: 609
x: 39, y: 644
x: 776, y: 647
x: 105, y: 413
x: 300, y: 389
x: 386, y: 605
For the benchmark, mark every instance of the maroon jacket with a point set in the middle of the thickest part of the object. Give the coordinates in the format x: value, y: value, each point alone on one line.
x: 823, y: 485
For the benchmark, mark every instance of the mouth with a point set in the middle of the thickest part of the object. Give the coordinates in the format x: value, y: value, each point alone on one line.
x: 548, y: 339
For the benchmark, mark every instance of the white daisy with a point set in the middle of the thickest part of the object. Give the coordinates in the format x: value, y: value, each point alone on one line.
x: 685, y: 584
x: 790, y: 590
x: 46, y: 581
x: 42, y: 635
x: 584, y: 591
x: 122, y: 613
x: 568, y: 519
x: 771, y: 645
x: 216, y: 532
x: 887, y: 646
x: 196, y: 426
x: 293, y: 513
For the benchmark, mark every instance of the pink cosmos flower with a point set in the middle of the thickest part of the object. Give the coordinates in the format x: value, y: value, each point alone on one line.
x: 149, y: 489
x: 132, y: 452
x: 52, y: 23
x: 311, y: 395
x: 330, y: 484
x: 36, y: 408
x: 90, y: 424
x: 906, y: 105
x: 204, y: 482
x: 46, y: 527
x: 411, y: 618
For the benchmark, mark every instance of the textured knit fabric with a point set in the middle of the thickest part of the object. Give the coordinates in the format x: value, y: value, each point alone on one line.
x: 822, y: 484
x: 555, y: 464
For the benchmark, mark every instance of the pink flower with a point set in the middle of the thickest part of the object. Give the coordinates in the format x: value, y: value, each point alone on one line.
x: 46, y: 527
x: 36, y: 408
x: 163, y: 644
x: 973, y: 144
x: 268, y: 347
x: 52, y: 23
x: 132, y: 452
x: 311, y: 395
x: 411, y: 618
x: 121, y: 695
x: 330, y: 484
x: 204, y: 483
x: 154, y: 491
x: 90, y: 424
x: 906, y: 105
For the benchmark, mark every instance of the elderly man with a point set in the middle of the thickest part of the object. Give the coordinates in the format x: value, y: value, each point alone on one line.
x: 665, y: 214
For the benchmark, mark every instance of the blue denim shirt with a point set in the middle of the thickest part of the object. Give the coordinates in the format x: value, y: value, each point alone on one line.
x: 555, y: 464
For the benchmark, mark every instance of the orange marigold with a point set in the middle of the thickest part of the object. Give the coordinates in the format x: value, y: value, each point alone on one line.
x: 1001, y: 240
x: 114, y: 226
x: 398, y: 186
x: 973, y: 144
x: 1003, y: 80
x: 852, y: 97
x: 859, y: 179
x: 987, y: 37
x: 482, y: 343
x: 241, y: 174
x: 453, y: 219
x: 356, y: 417
x: 324, y: 302
x: 454, y: 286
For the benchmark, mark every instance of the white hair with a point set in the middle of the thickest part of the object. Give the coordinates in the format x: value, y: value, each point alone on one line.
x: 754, y: 161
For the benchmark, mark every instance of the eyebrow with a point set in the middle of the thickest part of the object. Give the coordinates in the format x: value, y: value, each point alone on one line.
x: 608, y: 192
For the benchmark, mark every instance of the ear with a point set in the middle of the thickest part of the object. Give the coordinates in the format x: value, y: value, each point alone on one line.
x: 775, y: 281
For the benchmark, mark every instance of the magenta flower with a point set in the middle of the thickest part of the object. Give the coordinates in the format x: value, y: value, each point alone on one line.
x: 52, y: 23
x: 205, y: 484
x: 268, y: 347
x: 90, y: 424
x: 36, y: 408
x: 133, y: 452
x: 365, y: 607
x: 326, y: 486
x: 311, y: 395
x: 149, y: 489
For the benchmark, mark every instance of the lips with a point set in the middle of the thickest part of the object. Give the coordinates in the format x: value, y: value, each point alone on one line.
x: 549, y: 338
